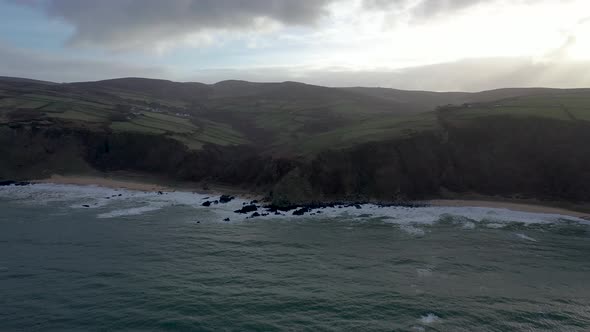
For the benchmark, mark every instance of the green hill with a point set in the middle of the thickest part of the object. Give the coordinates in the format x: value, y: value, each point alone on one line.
x: 299, y: 140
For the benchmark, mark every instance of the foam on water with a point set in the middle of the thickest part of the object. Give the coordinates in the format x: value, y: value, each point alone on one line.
x: 526, y: 237
x: 131, y: 211
x: 429, y: 319
x: 412, y: 230
x: 113, y: 203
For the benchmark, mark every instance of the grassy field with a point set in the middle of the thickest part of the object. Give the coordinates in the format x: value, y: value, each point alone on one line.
x: 183, y: 130
x: 563, y: 107
x: 369, y: 131
x: 135, y: 97
x: 294, y: 118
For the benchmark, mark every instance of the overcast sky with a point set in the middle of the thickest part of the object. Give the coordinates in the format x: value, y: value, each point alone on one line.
x: 409, y: 44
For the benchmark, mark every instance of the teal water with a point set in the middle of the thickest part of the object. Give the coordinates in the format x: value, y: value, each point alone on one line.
x: 141, y: 262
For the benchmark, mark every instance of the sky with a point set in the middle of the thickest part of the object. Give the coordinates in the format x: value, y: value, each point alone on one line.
x: 440, y: 45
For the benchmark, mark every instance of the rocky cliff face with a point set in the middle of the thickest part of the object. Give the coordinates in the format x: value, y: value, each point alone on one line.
x: 537, y: 158
x: 531, y: 157
x: 29, y: 153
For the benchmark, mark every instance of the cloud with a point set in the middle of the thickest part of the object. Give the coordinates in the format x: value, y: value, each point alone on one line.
x: 38, y: 65
x: 129, y: 24
x: 420, y: 10
x: 383, y: 4
x: 430, y: 8
x: 464, y: 75
x: 423, y: 8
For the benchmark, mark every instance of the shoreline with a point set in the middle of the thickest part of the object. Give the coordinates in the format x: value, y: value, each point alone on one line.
x: 148, y: 184
x: 104, y: 182
x: 513, y: 206
x: 131, y: 183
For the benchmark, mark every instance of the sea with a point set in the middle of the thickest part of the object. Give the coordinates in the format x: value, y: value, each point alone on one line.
x: 84, y: 258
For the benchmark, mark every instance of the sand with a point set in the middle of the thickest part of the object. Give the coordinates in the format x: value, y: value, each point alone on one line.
x: 143, y: 184
x: 104, y: 182
x: 510, y: 206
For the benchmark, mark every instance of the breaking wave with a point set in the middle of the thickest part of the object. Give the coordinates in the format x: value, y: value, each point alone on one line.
x: 115, y: 203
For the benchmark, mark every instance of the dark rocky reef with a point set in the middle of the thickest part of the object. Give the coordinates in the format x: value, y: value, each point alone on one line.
x: 247, y: 209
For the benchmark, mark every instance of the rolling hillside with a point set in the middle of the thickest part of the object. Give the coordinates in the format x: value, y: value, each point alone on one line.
x: 301, y: 141
x: 284, y: 117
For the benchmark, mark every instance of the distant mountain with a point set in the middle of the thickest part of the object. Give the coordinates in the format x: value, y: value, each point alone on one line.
x: 155, y: 88
x: 430, y: 100
x: 23, y: 80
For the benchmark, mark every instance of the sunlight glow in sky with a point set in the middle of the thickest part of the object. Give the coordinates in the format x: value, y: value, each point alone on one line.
x: 331, y: 42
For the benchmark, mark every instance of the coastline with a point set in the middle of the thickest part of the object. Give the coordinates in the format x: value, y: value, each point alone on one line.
x: 113, y: 183
x: 146, y: 184
x: 514, y: 206
x: 135, y: 182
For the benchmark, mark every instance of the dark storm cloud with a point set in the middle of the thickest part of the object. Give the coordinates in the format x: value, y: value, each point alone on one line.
x: 117, y: 23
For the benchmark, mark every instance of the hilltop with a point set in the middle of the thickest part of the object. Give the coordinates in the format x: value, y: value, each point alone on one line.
x: 300, y: 142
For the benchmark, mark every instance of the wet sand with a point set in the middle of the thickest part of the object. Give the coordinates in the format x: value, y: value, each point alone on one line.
x: 104, y: 182
x: 523, y: 207
x: 146, y: 184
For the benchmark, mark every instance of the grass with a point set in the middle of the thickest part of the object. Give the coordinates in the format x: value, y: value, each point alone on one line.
x: 581, y: 113
x: 133, y: 127
x: 513, y: 109
x: 9, y: 102
x: 22, y: 103
x: 368, y: 131
x: 283, y: 122
x: 182, y: 130
x: 220, y: 133
x: 68, y: 100
x: 136, y: 97
x: 166, y: 123
x: 76, y: 115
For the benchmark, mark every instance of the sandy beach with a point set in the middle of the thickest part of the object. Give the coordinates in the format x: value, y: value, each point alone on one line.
x: 104, y: 182
x: 523, y: 207
x: 145, y: 184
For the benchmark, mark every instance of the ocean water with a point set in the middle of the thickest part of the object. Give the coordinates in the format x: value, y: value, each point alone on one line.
x: 87, y: 258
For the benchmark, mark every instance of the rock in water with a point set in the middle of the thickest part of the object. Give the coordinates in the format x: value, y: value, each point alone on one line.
x: 207, y: 203
x: 247, y: 209
x: 225, y: 199
x: 301, y: 211
x: 16, y: 183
